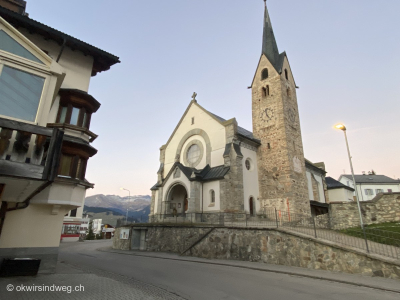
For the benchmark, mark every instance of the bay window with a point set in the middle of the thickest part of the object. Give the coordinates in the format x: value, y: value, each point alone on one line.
x: 73, y: 115
x: 72, y: 166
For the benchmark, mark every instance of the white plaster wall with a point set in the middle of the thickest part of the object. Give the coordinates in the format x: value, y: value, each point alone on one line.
x: 62, y: 194
x: 156, y: 203
x: 385, y: 187
x: 78, y: 67
x: 214, y: 130
x: 52, y: 116
x: 78, y: 218
x: 321, y: 193
x: 362, y: 186
x: 250, y: 179
x: 207, y: 187
x: 217, y: 158
x: 309, y: 186
x: 44, y: 227
x: 336, y: 195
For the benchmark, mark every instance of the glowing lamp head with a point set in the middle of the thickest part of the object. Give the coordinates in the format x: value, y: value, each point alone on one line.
x: 340, y: 126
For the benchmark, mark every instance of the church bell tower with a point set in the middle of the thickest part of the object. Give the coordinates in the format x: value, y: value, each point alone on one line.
x: 281, y: 165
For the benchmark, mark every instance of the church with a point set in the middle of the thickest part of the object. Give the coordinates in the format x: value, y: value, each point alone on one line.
x: 211, y: 165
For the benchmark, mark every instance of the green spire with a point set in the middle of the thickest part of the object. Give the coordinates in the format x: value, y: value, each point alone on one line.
x: 269, y: 46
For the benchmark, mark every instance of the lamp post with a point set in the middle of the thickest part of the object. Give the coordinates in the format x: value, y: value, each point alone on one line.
x: 343, y: 128
x: 126, y: 221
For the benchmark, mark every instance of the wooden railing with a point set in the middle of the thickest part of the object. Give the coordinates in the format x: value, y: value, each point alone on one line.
x: 29, y: 151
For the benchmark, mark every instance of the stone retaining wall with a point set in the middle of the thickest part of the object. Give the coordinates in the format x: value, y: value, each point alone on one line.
x: 383, y: 208
x: 273, y: 246
x: 121, y: 244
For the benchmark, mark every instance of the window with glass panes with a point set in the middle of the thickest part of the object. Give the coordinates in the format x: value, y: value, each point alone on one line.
x: 21, y: 83
x: 72, y: 166
x: 69, y: 114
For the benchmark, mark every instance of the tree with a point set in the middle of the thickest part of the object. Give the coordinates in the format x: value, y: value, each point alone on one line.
x: 90, y: 235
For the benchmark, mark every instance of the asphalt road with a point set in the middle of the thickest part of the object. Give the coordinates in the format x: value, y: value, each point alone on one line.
x: 192, y: 280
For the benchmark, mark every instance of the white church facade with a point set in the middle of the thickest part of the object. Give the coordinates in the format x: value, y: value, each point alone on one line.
x: 210, y: 164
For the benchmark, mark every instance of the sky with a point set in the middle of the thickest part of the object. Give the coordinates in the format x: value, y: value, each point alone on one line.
x: 345, y: 57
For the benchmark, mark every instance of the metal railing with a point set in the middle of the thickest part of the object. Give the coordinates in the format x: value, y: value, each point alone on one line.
x: 371, y: 240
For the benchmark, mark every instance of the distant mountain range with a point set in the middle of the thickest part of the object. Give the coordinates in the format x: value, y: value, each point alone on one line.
x: 111, y: 208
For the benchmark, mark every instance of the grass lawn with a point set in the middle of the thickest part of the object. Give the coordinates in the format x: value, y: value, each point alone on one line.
x: 384, y: 233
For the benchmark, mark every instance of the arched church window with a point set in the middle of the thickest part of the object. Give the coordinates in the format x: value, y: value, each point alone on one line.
x: 286, y: 74
x: 193, y: 153
x: 212, y: 196
x: 264, y: 74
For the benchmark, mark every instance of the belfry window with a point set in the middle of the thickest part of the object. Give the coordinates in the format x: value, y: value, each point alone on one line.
x: 265, y: 91
x: 264, y: 74
x: 286, y: 74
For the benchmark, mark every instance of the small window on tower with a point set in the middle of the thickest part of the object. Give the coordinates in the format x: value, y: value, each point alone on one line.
x: 286, y: 74
x: 264, y: 92
x: 264, y: 74
x: 192, y: 120
x: 268, y: 90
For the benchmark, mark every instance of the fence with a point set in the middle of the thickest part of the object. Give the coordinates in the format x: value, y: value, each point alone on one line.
x: 377, y: 241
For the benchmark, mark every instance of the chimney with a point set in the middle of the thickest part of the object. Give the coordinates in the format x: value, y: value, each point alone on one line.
x: 17, y: 6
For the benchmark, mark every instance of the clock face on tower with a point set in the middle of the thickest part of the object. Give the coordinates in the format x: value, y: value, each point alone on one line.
x: 267, y: 114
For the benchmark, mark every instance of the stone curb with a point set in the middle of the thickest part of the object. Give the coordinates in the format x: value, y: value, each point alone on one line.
x: 300, y: 274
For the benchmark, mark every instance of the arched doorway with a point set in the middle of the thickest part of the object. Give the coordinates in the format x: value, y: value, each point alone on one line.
x: 177, y: 200
x: 251, y: 206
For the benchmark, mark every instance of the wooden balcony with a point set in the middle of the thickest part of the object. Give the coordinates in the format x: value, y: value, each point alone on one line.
x: 28, y: 151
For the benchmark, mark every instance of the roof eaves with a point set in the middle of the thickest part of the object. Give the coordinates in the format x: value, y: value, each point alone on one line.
x: 58, y: 36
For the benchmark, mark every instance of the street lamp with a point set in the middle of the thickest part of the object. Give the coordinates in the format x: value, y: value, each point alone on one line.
x: 343, y: 128
x: 126, y: 221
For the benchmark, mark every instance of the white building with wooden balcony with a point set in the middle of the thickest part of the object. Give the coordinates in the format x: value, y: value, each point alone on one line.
x: 45, y: 117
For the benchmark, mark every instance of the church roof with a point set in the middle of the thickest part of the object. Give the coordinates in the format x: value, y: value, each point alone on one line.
x: 241, y: 131
x: 269, y: 45
x: 334, y: 184
x: 203, y: 175
x: 371, y: 179
x: 102, y: 59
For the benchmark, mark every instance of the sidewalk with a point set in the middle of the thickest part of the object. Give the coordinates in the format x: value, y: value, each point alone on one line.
x: 352, y: 279
x: 99, y: 286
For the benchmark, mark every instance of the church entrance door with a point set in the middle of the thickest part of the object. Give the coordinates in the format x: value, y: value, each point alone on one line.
x: 251, y: 206
x: 176, y: 200
x: 186, y: 203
